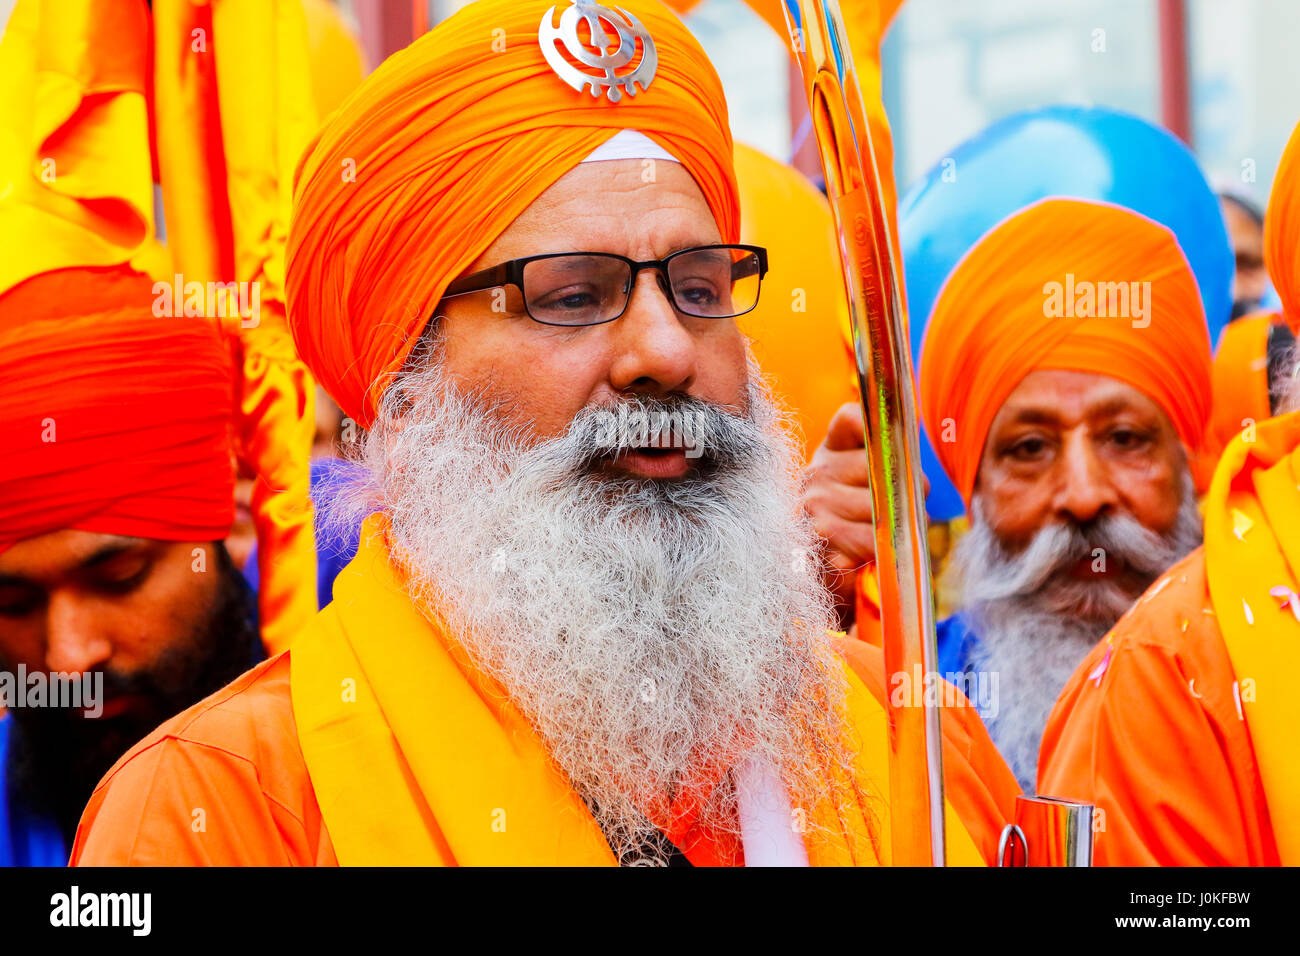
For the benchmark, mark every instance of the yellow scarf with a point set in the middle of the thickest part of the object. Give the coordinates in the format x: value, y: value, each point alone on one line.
x: 1252, y: 546
x: 417, y: 759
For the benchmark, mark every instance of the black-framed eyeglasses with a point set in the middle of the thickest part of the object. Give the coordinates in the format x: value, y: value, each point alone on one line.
x: 591, y: 288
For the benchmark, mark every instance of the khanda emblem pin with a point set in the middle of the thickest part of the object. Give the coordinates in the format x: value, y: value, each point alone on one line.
x: 606, y: 64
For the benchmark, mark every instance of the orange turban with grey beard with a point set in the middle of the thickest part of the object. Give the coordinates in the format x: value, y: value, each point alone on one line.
x: 444, y: 145
x: 1070, y: 285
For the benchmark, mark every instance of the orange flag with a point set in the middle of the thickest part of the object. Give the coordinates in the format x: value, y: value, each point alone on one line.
x: 75, y: 166
x: 234, y: 110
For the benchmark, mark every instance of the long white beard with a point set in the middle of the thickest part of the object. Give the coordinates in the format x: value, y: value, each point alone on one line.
x: 649, y: 630
x: 1036, y: 624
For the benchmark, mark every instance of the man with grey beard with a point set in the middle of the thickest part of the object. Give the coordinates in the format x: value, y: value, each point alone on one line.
x: 1070, y: 439
x: 1181, y: 725
x: 585, y: 623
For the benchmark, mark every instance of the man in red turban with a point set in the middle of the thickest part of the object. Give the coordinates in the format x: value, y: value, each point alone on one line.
x: 585, y: 624
x: 119, y: 605
x: 1065, y: 375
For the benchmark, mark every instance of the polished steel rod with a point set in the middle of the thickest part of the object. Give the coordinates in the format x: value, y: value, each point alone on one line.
x: 820, y: 44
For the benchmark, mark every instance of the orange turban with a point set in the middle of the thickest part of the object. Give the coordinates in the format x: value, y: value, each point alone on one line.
x: 1282, y: 232
x: 114, y: 420
x: 440, y: 149
x: 1031, y: 295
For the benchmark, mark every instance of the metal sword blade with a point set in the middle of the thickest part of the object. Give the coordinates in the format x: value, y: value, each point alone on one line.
x: 884, y: 363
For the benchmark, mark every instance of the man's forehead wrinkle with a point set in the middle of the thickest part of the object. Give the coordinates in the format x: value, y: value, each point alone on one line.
x: 1119, y: 404
x: 1096, y: 408
x: 610, y: 204
x: 604, y: 207
x: 580, y: 224
x: 1047, y: 401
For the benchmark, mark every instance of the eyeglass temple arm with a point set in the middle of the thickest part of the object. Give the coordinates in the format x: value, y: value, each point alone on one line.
x: 478, y: 281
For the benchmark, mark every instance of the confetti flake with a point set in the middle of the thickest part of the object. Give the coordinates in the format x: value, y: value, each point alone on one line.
x: 1289, y: 599
x: 1240, y: 524
x: 1100, y: 669
x: 1160, y: 586
x: 1250, y: 615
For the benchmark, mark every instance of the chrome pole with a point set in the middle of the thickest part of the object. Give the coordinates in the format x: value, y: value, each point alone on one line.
x: 884, y: 362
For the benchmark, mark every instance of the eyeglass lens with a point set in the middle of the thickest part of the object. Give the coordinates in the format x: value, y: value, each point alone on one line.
x: 591, y: 288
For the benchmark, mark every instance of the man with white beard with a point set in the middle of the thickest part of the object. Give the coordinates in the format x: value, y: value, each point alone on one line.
x: 566, y: 638
x: 1067, y: 430
x: 1181, y: 725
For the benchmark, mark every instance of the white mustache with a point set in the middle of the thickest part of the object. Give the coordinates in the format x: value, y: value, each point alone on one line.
x: 989, y: 572
x: 705, y: 430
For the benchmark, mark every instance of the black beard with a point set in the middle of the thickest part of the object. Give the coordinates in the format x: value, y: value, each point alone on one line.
x: 57, y: 756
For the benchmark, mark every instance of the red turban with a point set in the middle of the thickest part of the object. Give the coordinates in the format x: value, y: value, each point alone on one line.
x: 1282, y: 232
x: 114, y: 420
x: 1029, y: 296
x: 440, y: 149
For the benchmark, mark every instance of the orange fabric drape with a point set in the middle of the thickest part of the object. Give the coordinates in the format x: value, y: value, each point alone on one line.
x: 1252, y: 557
x: 796, y: 328
x: 1282, y: 231
x: 1029, y: 296
x: 1149, y: 731
x: 75, y: 168
x: 234, y: 101
x: 337, y: 65
x: 84, y: 339
x: 1240, y: 386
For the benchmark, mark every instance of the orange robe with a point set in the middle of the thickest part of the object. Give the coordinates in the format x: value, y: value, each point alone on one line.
x: 1168, y: 763
x: 226, y: 784
x: 228, y: 781
x: 1181, y: 724
x: 222, y: 784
